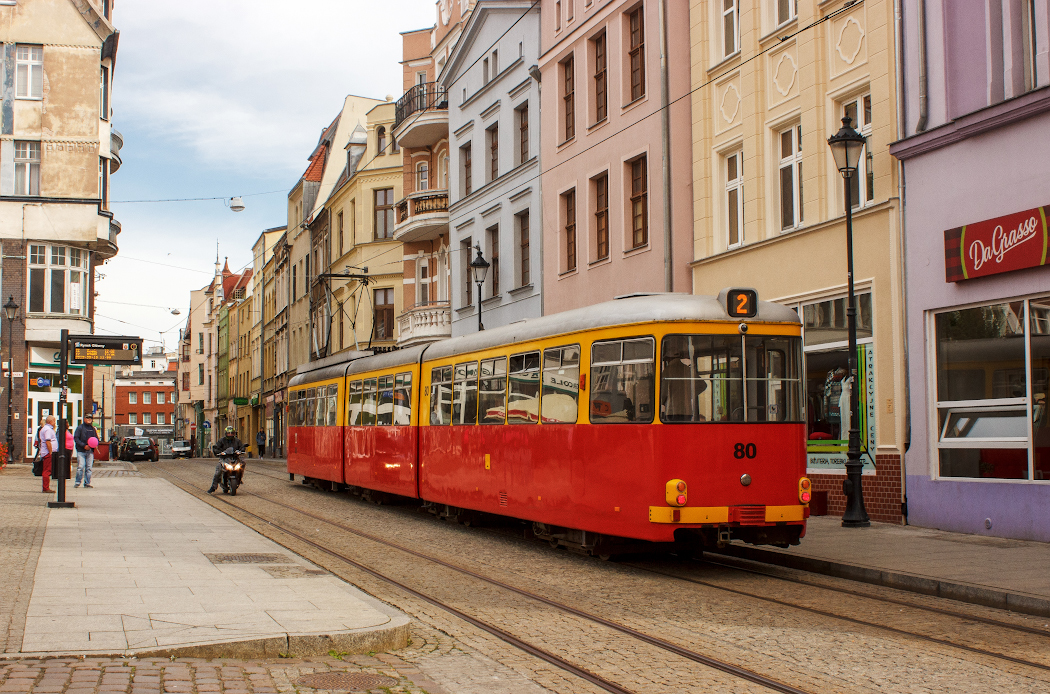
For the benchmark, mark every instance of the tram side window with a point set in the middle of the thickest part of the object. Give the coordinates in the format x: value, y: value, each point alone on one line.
x: 441, y: 396
x: 403, y: 399
x: 623, y: 381
x: 368, y: 408
x: 773, y: 378
x: 385, y: 414
x: 492, y: 396
x: 524, y: 404
x: 353, y: 409
x: 311, y: 407
x: 300, y: 408
x: 701, y: 379
x: 465, y: 393
x: 333, y: 404
x: 561, y: 384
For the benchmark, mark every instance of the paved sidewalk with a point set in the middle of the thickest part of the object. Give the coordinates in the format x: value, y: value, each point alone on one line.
x: 141, y: 567
x: 992, y: 571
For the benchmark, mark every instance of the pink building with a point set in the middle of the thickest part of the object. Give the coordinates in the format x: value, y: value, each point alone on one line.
x: 613, y: 222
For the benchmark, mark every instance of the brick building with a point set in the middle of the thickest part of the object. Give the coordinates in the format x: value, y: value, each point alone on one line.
x: 145, y: 405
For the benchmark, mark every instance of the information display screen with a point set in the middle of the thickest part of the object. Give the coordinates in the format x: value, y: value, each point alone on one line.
x: 96, y: 349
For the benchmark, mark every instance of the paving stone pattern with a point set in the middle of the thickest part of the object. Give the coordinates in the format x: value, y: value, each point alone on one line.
x: 24, y: 518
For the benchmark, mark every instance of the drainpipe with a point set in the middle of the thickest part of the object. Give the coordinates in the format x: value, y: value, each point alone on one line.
x: 666, y: 137
x: 534, y: 73
x: 923, y: 78
x: 898, y: 35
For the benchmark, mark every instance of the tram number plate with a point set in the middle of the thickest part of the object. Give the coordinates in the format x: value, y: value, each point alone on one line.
x: 745, y: 450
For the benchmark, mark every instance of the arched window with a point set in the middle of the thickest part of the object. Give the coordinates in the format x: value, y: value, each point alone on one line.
x: 381, y: 139
x: 422, y: 176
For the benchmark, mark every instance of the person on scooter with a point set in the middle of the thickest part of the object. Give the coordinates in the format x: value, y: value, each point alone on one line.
x: 230, y: 440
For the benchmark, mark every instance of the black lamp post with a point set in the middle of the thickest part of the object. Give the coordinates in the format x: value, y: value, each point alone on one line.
x: 846, y: 146
x: 480, y: 267
x: 10, y: 310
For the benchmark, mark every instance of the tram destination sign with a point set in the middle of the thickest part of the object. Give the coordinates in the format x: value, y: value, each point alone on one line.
x: 105, y: 349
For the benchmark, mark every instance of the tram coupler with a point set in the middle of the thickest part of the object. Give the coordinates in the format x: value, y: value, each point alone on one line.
x: 724, y: 536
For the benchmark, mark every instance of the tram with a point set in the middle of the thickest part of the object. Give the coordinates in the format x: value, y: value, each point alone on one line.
x: 663, y: 418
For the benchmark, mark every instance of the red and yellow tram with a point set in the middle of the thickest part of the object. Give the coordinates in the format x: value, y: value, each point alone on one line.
x: 657, y: 417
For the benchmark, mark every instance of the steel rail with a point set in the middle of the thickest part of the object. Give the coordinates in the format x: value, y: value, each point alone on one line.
x: 708, y: 661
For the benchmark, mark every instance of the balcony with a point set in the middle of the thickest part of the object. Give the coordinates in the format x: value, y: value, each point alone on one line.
x: 116, y: 141
x: 421, y: 116
x: 425, y: 323
x: 422, y: 216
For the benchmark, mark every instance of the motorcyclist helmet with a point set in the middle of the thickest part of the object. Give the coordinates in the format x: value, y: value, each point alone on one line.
x: 229, y: 431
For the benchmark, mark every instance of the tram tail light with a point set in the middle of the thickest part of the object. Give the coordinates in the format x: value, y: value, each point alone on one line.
x: 805, y: 490
x: 676, y: 493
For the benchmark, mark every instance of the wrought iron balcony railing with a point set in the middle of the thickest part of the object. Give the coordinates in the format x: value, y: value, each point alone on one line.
x: 421, y: 97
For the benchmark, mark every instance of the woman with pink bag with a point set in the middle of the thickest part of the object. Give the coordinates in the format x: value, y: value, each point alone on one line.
x: 86, y: 441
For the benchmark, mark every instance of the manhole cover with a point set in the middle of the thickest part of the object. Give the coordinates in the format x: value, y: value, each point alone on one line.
x: 352, y: 681
x: 293, y: 572
x: 261, y: 558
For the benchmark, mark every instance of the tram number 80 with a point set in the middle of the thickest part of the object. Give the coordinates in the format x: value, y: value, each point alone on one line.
x: 745, y: 450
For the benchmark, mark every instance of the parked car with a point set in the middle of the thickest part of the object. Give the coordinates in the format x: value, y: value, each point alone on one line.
x: 181, y: 448
x: 140, y: 448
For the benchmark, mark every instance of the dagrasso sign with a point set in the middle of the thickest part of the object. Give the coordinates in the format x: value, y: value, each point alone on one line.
x: 1004, y: 244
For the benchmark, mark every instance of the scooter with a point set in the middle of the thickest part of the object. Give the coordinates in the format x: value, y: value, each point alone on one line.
x: 232, y: 470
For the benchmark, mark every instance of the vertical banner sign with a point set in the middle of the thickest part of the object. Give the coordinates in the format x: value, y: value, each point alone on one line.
x: 826, y: 455
x: 1004, y: 244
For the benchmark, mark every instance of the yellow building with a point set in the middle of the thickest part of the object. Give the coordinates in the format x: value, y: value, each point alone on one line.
x: 360, y: 209
x: 771, y: 81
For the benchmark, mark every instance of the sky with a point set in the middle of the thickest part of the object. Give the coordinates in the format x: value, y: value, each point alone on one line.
x: 224, y: 98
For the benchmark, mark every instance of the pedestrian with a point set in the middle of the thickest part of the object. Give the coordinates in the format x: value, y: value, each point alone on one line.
x: 48, y: 442
x: 85, y: 452
x: 260, y: 442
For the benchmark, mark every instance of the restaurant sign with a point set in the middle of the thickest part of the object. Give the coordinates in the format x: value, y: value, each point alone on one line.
x: 1004, y: 244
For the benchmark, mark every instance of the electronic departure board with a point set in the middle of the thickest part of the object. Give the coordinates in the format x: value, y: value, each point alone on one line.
x: 99, y: 349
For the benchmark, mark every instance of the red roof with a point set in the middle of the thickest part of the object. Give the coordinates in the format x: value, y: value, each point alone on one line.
x: 316, y: 168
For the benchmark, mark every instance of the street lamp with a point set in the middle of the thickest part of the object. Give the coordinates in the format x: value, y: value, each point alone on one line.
x: 480, y: 267
x: 846, y: 146
x: 10, y: 310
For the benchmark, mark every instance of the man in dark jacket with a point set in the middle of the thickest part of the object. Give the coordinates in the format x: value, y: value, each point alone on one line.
x: 230, y: 440
x: 85, y: 453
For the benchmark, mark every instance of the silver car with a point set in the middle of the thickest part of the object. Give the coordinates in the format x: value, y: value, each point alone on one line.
x: 181, y: 449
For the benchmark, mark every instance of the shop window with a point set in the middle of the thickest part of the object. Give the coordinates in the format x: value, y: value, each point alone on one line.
x: 622, y: 381
x: 993, y: 367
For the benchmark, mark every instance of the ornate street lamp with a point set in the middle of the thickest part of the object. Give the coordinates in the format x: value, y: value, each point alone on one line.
x: 480, y: 267
x: 846, y: 146
x: 10, y: 311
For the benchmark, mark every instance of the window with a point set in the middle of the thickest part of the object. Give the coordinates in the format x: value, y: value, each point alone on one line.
x: 569, y: 97
x: 29, y: 72
x: 384, y: 202
x: 424, y: 284
x: 147, y: 398
x: 523, y: 132
x: 786, y: 11
x: 133, y: 418
x: 103, y: 182
x: 147, y: 418
x: 464, y: 156
x: 495, y: 63
x: 523, y: 406
x: 200, y: 374
x: 380, y: 140
x: 730, y: 27
x: 524, y: 260
x: 27, y: 168
x: 422, y: 176
x: 403, y: 399
x: 57, y: 277
x: 570, y: 10
x: 561, y: 385
x: 493, y: 137
x: 734, y: 200
x: 639, y: 204
x: 384, y: 307
x: 468, y: 279
x: 485, y: 77
x: 103, y: 106
x: 339, y: 227
x: 186, y: 380
x: 622, y: 381
x: 601, y: 215
x: 992, y: 391
x: 861, y: 184
x: 465, y: 393
x: 790, y: 143
x: 133, y: 398
x: 557, y: 16
x: 494, y: 257
x: 569, y: 204
x: 200, y: 343
x: 160, y: 418
x: 369, y: 402
x: 601, y: 71
x: 160, y: 398
x: 492, y: 392
x: 444, y: 173
x: 636, y: 53
x: 441, y: 396
x: 385, y: 408
x: 293, y: 282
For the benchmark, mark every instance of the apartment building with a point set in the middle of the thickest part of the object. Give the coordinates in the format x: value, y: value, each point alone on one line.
x: 57, y: 151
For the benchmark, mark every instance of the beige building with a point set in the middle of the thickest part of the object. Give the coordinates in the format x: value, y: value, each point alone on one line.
x: 364, y: 315
x: 57, y: 151
x: 771, y: 82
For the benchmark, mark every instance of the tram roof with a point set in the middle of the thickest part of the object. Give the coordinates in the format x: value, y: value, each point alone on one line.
x: 629, y: 310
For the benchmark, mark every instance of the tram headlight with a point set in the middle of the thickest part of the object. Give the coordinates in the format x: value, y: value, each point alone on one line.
x: 805, y: 490
x: 676, y: 492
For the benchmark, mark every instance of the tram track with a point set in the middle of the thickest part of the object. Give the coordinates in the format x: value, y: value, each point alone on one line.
x: 551, y: 658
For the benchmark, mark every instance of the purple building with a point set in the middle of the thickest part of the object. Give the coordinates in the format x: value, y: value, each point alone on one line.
x: 976, y: 165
